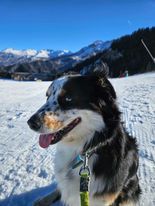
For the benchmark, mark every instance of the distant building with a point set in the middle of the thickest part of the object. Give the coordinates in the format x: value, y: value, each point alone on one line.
x: 26, y: 76
x: 20, y: 76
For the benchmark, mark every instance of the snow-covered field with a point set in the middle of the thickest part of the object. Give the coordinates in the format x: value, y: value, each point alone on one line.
x: 26, y: 170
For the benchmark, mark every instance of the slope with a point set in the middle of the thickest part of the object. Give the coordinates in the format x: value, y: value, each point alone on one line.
x: 26, y: 170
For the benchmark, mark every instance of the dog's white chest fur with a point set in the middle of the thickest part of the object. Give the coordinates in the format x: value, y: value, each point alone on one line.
x: 69, y: 180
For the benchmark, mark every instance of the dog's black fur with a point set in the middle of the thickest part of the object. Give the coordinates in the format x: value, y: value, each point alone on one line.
x: 117, y: 162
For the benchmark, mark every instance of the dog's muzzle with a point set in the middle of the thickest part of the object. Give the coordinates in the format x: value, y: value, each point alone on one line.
x: 35, y: 122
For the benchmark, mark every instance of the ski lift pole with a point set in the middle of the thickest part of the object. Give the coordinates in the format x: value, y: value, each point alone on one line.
x: 148, y: 51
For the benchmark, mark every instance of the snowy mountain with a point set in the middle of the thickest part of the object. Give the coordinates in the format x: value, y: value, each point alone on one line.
x: 26, y: 171
x: 125, y: 53
x: 46, y: 64
x: 44, y: 53
x: 12, y: 56
x: 28, y: 52
x: 92, y: 49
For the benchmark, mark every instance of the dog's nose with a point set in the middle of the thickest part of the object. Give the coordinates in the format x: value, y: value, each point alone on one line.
x: 34, y: 122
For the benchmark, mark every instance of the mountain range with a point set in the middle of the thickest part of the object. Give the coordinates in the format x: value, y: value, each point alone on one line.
x: 117, y: 56
x: 45, y: 64
x: 12, y: 56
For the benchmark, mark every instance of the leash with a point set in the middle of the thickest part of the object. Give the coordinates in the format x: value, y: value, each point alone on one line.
x: 79, y: 159
x: 84, y: 182
x: 84, y: 172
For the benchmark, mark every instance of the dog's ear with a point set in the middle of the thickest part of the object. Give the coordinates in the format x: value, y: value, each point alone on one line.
x: 104, y: 84
x: 100, y: 69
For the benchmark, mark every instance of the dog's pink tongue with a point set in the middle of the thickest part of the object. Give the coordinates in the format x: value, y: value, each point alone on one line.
x: 45, y: 140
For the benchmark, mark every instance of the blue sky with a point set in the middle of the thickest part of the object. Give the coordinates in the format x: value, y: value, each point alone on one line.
x: 70, y: 24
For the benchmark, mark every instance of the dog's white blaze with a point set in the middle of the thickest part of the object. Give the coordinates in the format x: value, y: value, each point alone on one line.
x: 52, y: 102
x: 56, y: 86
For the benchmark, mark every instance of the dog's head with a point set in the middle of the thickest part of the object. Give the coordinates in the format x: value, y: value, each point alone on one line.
x: 76, y: 107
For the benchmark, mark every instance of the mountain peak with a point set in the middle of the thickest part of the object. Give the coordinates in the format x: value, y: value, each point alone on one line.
x: 26, y: 52
x: 12, y: 56
x: 97, y: 42
x: 34, y: 54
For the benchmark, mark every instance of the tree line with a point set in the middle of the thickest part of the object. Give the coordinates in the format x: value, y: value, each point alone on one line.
x: 126, y: 54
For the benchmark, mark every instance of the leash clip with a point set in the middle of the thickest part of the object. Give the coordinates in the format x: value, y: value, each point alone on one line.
x: 77, y: 161
x: 84, y: 170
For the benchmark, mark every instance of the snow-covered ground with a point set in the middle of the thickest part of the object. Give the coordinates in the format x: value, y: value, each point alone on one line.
x: 26, y: 170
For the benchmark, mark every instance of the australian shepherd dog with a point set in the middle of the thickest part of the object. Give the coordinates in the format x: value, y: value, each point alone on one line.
x: 80, y: 114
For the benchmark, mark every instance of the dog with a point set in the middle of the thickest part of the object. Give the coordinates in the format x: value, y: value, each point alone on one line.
x: 81, y: 114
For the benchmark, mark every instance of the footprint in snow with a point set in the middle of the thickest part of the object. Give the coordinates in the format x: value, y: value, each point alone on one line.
x: 43, y: 174
x: 19, y: 114
x: 153, y: 142
x: 10, y: 126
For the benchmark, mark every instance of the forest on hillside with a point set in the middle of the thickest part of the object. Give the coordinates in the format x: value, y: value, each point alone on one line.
x: 134, y: 57
x: 126, y: 54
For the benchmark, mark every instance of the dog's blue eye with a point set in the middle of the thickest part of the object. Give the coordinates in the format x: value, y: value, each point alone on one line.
x: 68, y: 99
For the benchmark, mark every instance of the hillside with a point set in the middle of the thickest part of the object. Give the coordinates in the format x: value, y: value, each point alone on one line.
x: 117, y: 56
x: 26, y: 171
x: 126, y: 53
x: 45, y: 62
x: 132, y: 55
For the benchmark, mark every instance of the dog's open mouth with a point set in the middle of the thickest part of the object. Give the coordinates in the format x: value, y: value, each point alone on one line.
x: 46, y: 139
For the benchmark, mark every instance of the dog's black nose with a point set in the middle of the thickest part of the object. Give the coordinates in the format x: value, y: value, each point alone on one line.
x: 34, y: 122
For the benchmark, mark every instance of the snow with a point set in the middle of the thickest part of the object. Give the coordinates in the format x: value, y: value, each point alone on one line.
x: 42, y: 54
x: 28, y: 52
x: 93, y: 49
x: 11, y: 56
x: 101, y: 45
x: 26, y: 170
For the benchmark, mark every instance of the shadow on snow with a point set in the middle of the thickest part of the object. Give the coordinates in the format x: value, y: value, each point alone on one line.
x: 28, y: 198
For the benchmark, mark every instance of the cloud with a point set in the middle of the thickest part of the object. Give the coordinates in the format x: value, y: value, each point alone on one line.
x: 129, y: 22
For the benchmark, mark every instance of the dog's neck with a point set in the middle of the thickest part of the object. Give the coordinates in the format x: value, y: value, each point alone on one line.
x: 97, y: 144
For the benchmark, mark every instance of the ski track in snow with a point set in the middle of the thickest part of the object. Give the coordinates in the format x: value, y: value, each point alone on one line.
x: 26, y: 170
